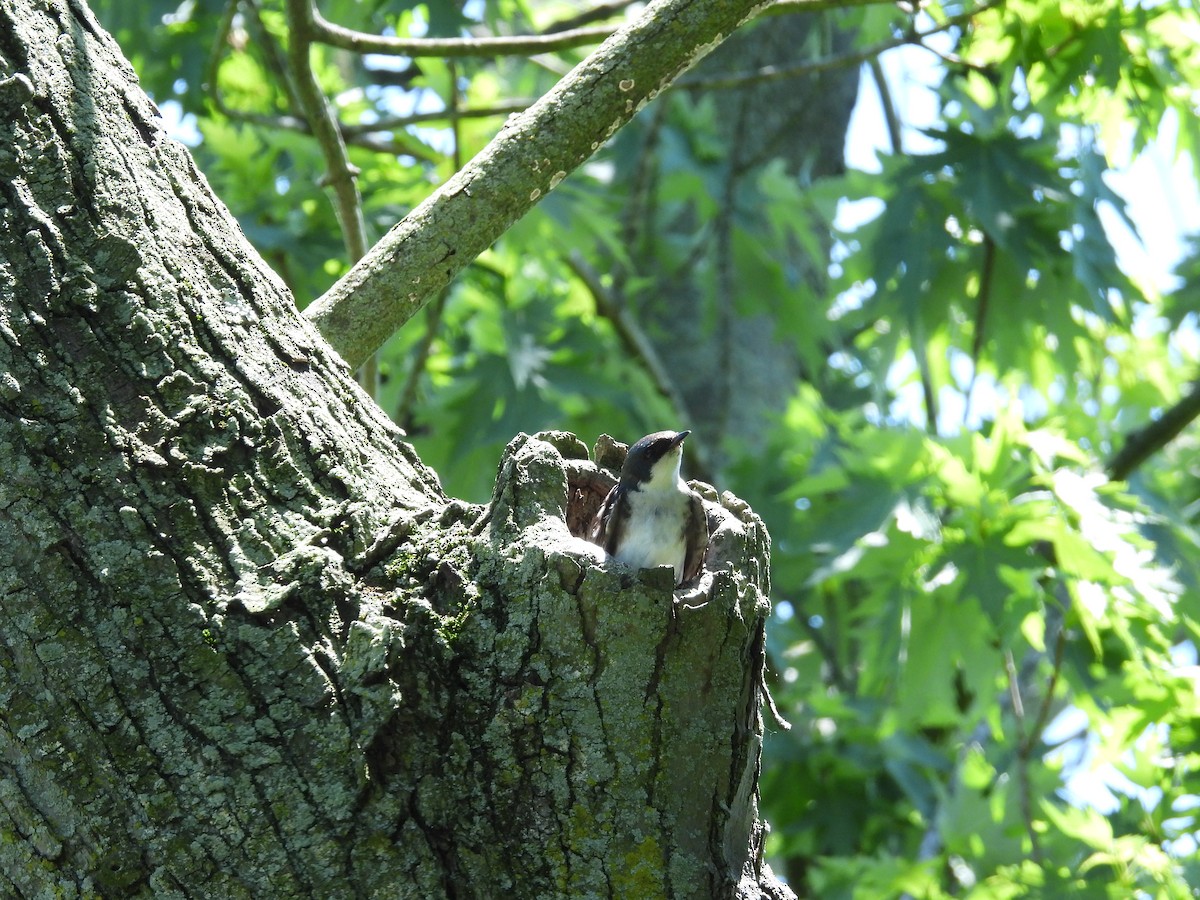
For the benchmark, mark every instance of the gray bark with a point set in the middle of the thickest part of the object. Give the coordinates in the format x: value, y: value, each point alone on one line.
x: 247, y: 646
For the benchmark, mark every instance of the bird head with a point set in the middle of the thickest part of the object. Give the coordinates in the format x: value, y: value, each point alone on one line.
x: 654, y: 460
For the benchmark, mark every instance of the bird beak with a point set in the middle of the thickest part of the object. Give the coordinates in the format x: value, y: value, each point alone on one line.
x: 678, y: 439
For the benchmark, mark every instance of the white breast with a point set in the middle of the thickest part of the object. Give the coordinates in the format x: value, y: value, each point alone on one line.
x: 653, y: 535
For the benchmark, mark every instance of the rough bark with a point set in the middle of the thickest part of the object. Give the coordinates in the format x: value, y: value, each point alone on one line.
x: 247, y: 646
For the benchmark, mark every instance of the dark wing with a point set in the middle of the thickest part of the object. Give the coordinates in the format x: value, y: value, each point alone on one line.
x: 606, y: 527
x: 697, y: 524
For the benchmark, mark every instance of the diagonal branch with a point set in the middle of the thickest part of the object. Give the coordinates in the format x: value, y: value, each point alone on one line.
x: 341, y: 175
x: 553, y: 40
x: 837, y: 61
x: 325, y: 128
x: 984, y: 297
x: 1145, y: 442
x: 605, y: 10
x: 530, y: 156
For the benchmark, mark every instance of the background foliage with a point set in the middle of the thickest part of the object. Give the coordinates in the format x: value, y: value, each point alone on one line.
x: 986, y: 614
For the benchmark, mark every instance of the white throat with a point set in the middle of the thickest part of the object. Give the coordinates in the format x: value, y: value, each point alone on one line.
x: 664, y: 475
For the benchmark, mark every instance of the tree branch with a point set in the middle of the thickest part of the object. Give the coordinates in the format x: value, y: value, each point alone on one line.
x: 605, y: 10
x: 639, y: 213
x: 340, y: 174
x: 725, y: 287
x: 529, y: 157
x: 1029, y: 745
x: 433, y: 316
x: 452, y: 115
x: 890, y: 117
x: 517, y: 45
x: 273, y: 60
x: 1145, y: 442
x: 836, y: 61
x: 984, y: 296
x: 325, y: 128
x: 916, y: 333
x: 784, y: 7
x: 522, y: 45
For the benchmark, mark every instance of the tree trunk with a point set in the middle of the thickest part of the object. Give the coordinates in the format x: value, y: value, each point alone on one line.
x: 732, y: 363
x: 247, y: 646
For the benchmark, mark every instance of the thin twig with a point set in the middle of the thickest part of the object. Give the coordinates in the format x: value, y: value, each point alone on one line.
x: 916, y: 326
x: 833, y: 667
x: 1014, y: 693
x: 220, y: 42
x: 276, y: 58
x: 920, y: 349
x: 1035, y: 732
x: 341, y: 175
x: 433, y: 315
x: 359, y: 136
x: 890, y: 117
x: 640, y: 211
x: 592, y: 14
x: 408, y: 394
x: 787, y: 7
x: 835, y: 61
x: 986, y: 269
x: 366, y: 137
x: 1023, y: 785
x: 441, y: 115
x: 726, y: 280
x: 518, y: 45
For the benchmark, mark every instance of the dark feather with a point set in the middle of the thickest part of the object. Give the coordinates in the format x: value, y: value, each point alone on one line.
x: 697, y: 520
x: 607, y: 528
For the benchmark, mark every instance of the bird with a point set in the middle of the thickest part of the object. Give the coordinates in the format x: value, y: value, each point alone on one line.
x: 651, y: 517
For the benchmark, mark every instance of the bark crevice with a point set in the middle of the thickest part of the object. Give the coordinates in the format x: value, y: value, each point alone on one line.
x: 247, y: 645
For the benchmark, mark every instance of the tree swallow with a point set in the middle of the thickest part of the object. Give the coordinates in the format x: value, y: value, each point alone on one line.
x: 651, y: 517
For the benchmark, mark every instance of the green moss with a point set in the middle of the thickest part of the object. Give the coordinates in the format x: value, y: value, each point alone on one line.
x: 640, y: 872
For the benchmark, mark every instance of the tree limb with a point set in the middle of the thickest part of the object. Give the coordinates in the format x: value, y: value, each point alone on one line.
x: 517, y: 45
x: 340, y: 174
x: 726, y: 288
x: 325, y: 128
x: 1145, y: 442
x: 890, y: 117
x: 537, y: 149
x: 984, y: 296
x: 836, y: 61
x: 433, y: 316
x: 555, y: 39
x: 595, y: 13
x: 506, y: 108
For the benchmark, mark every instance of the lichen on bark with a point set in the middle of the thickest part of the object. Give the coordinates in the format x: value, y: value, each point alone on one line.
x: 607, y: 728
x: 247, y: 645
